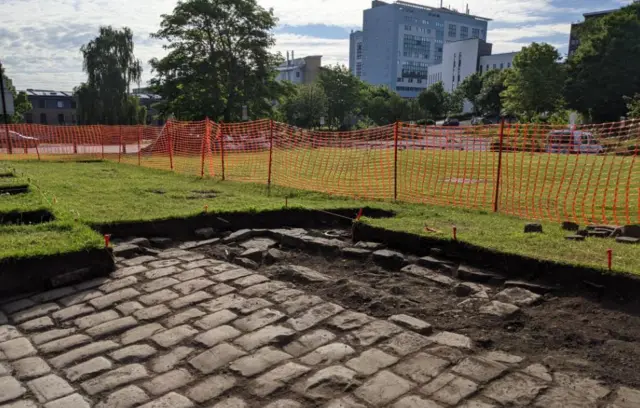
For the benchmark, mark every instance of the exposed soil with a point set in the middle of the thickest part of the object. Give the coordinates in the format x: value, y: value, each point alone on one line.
x: 574, y: 332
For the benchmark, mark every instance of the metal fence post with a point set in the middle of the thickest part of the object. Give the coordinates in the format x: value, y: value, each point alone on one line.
x: 140, y: 130
x: 170, y: 146
x: 270, y: 153
x: 120, y: 143
x: 222, y: 147
x: 496, y: 200
x: 395, y: 161
x: 207, y: 134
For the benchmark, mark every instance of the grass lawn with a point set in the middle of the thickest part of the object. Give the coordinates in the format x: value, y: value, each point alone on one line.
x: 104, y: 192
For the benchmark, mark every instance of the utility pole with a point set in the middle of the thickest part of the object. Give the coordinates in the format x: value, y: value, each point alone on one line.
x: 4, y: 111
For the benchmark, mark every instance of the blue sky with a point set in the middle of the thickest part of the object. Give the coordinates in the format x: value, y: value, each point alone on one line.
x: 40, y: 39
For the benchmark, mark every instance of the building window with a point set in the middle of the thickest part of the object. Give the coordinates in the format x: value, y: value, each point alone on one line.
x: 501, y: 65
x: 73, y: 104
x: 464, y: 32
x: 494, y: 66
x: 407, y: 27
x: 508, y: 65
x: 358, y: 69
x: 41, y: 104
x: 359, y: 50
x: 61, y: 118
x: 43, y: 118
x: 452, y: 30
x: 481, y: 69
x: 487, y: 67
x: 475, y: 33
x: 60, y: 104
x: 297, y: 74
x: 458, y: 78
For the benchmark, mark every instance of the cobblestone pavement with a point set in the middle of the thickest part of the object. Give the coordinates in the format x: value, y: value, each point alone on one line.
x: 180, y: 330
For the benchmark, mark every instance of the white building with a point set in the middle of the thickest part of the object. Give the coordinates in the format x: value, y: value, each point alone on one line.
x: 464, y: 58
x: 299, y: 71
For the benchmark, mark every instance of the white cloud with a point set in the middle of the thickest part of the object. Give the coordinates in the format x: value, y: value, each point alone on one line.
x: 40, y: 39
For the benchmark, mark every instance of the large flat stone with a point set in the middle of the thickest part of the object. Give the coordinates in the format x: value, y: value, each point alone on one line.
x: 515, y: 389
x: 326, y: 383
x: 383, y: 388
x: 296, y: 273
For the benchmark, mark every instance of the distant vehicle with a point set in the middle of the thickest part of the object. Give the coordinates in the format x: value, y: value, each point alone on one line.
x: 477, y: 120
x: 569, y: 141
x: 17, y: 140
x: 451, y: 122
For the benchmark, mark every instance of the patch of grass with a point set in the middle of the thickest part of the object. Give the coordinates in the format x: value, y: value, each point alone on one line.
x: 107, y: 192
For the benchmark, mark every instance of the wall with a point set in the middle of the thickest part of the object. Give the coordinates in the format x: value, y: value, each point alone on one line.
x: 501, y: 61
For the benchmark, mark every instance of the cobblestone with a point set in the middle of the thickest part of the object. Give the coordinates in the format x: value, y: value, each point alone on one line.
x: 218, y: 335
x: 72, y: 312
x: 30, y: 367
x: 140, y: 333
x: 49, y: 388
x: 105, y: 301
x: 329, y: 354
x: 17, y: 348
x: 88, y: 368
x: 96, y: 319
x: 258, y: 361
x: 70, y: 401
x: 168, y: 382
x: 174, y: 335
x: 308, y: 342
x: 264, y: 336
x: 374, y: 332
x: 151, y: 313
x: 168, y: 361
x: 216, y: 357
x: 277, y: 378
x: 183, y: 317
x: 133, y: 353
x: 124, y: 398
x: 38, y: 324
x: 215, y: 319
x: 171, y: 337
x: 114, y: 378
x: 189, y: 300
x: 10, y: 389
x: 211, y: 388
x: 51, y: 335
x: 171, y: 400
x: 82, y: 353
x: 383, y: 388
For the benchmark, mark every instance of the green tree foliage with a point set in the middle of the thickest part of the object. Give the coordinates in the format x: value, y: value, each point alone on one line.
x: 534, y: 85
x: 20, y: 102
x: 218, y: 60
x: 489, y: 101
x: 306, y: 106
x: 344, y: 91
x: 111, y: 68
x: 606, y: 66
x: 433, y: 101
x: 470, y: 89
x: 384, y: 106
x: 633, y: 106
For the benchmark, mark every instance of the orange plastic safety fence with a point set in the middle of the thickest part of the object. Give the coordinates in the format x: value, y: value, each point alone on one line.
x: 588, y: 174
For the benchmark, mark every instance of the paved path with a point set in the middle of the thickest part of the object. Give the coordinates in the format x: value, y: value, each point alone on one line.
x: 179, y: 330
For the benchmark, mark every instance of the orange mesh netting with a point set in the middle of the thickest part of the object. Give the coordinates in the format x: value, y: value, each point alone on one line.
x: 588, y: 173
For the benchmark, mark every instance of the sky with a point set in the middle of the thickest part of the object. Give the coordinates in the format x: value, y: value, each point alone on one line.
x: 40, y: 39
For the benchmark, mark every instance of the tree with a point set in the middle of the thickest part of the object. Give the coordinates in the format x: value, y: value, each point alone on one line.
x: 606, y: 65
x: 306, y: 106
x: 384, y: 106
x: 111, y: 67
x: 20, y: 102
x: 489, y: 101
x: 534, y: 84
x: 633, y: 106
x: 434, y: 100
x: 344, y: 91
x: 218, y: 60
x: 470, y: 88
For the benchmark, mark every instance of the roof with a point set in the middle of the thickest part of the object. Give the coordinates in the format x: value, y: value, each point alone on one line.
x: 46, y: 92
x: 599, y: 13
x: 439, y: 9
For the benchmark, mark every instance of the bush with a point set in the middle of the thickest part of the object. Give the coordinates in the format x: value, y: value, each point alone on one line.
x: 426, y: 122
